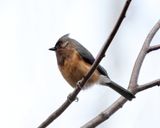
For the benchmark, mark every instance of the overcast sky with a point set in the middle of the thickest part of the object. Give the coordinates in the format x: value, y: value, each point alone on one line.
x: 31, y: 86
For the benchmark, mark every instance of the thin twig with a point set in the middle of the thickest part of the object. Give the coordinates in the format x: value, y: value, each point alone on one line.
x: 133, y: 86
x: 76, y: 91
x: 153, y: 48
x: 148, y: 85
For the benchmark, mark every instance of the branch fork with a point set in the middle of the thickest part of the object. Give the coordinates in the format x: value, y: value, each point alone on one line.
x: 133, y: 86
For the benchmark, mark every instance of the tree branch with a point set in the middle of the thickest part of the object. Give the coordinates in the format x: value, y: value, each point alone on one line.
x: 133, y: 86
x: 153, y: 48
x: 148, y: 85
x: 141, y: 56
x: 106, y: 113
x: 80, y: 85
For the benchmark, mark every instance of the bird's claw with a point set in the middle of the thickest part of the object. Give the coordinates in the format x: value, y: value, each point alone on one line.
x: 70, y: 98
x: 79, y: 83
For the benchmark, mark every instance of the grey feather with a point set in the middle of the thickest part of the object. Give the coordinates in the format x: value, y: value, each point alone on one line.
x: 87, y: 56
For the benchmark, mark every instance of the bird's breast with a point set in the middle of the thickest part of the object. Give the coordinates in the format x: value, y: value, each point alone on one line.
x: 74, y: 68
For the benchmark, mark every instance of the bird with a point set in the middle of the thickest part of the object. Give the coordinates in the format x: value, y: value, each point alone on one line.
x: 74, y: 61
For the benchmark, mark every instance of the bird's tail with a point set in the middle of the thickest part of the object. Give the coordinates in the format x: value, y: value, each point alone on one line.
x: 122, y: 91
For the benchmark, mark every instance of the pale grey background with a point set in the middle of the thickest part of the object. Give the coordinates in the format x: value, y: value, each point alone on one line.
x: 31, y: 86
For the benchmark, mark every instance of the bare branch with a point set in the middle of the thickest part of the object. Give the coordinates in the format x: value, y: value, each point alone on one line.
x: 153, y: 48
x: 148, y: 85
x: 132, y: 85
x: 141, y: 56
x: 58, y: 112
x: 106, y: 113
x: 101, y: 54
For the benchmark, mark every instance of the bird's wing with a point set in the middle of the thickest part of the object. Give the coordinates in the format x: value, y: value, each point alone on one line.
x: 88, y: 57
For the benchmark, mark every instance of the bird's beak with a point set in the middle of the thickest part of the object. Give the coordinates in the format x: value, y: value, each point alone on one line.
x: 52, y: 49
